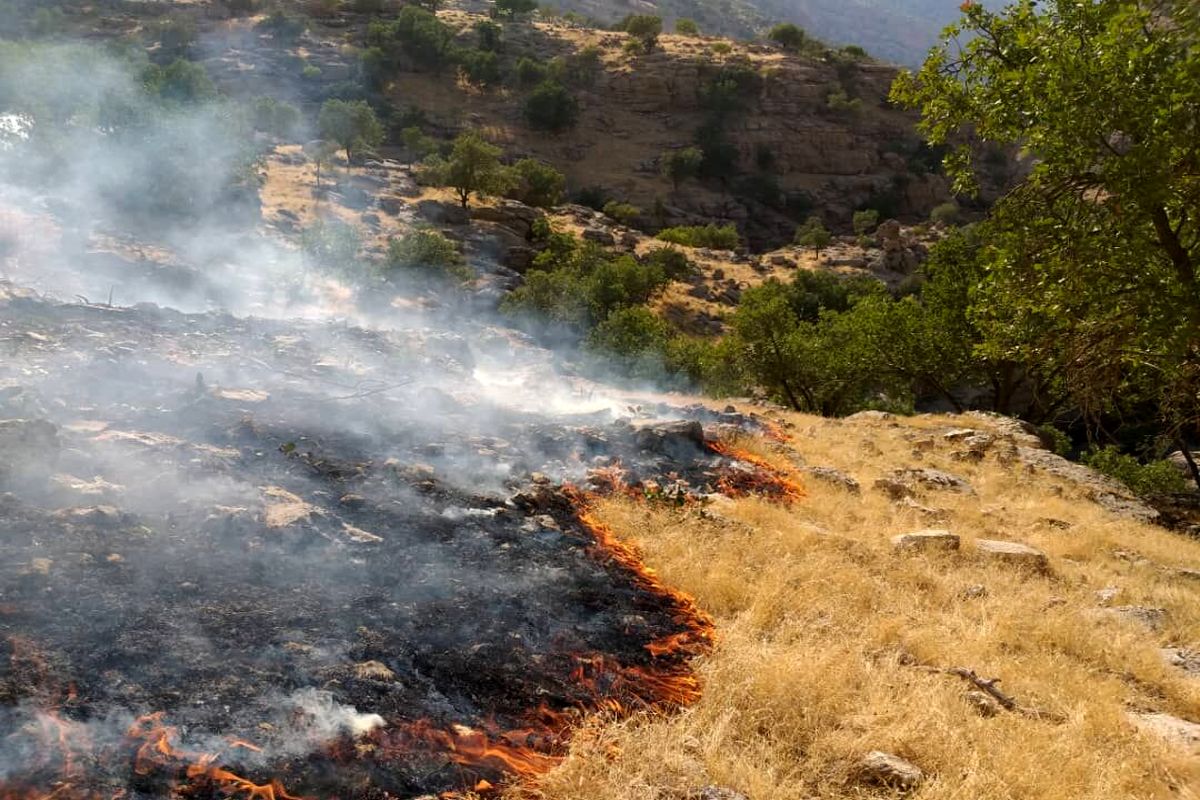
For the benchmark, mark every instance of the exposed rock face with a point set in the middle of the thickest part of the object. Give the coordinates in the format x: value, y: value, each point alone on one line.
x: 443, y: 213
x: 1179, y: 732
x: 835, y: 477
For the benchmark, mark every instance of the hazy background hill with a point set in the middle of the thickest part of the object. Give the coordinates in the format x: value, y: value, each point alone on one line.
x: 894, y: 30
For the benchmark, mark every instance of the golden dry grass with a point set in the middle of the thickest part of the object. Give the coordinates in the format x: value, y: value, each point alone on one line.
x: 821, y: 624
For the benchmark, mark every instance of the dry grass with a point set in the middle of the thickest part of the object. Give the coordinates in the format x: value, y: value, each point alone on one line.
x: 820, y: 623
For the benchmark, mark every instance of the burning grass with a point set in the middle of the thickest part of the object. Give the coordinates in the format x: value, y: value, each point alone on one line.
x: 824, y: 630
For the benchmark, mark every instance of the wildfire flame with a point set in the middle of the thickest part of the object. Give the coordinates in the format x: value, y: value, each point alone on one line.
x: 765, y: 479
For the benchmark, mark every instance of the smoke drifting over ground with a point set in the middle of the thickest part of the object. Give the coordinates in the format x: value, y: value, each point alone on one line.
x: 254, y: 518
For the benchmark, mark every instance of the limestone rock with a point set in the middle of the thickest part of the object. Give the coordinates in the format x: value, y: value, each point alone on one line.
x: 443, y: 213
x: 927, y: 541
x: 600, y: 236
x: 1013, y: 553
x: 1179, y: 658
x: 1179, y: 732
x: 835, y: 477
x: 884, y: 769
x: 1150, y: 618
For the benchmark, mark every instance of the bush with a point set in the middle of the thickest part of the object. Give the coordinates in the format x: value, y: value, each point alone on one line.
x: 1151, y: 478
x: 671, y: 261
x: 841, y: 103
x: 594, y: 197
x: 515, y: 8
x: 536, y: 183
x: 283, y: 28
x: 687, y: 27
x: 946, y: 213
x: 550, y: 107
x: 275, y: 117
x: 419, y: 144
x: 416, y: 34
x: 635, y: 337
x: 865, y: 221
x: 721, y: 48
x: 681, y: 165
x: 429, y: 251
x: 713, y: 236
x: 490, y: 36
x: 788, y: 36
x: 644, y: 28
x: 181, y: 82
x: 530, y: 71
x: 482, y: 67
x: 350, y: 123
x: 625, y: 213
x: 331, y: 245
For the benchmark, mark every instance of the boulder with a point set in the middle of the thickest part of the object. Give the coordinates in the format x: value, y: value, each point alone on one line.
x: 835, y: 477
x: 519, y: 259
x: 675, y: 439
x: 511, y: 214
x: 1147, y: 617
x: 1015, y: 553
x: 600, y: 236
x: 931, y: 540
x: 390, y: 205
x: 878, y: 768
x: 1179, y: 732
x: 1186, y: 660
x: 443, y: 213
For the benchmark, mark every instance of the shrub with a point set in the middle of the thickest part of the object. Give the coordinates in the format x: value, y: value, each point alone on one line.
x: 1151, y: 478
x: 635, y: 337
x: 482, y: 67
x: 946, y: 213
x: 515, y: 8
x: 721, y: 48
x: 310, y: 72
x: 644, y: 28
x: 530, y: 71
x: 275, y: 117
x: 551, y: 107
x: 687, y: 27
x: 788, y: 36
x: 716, y: 237
x: 865, y: 221
x: 181, y: 82
x: 350, y: 123
x: 671, y: 261
x: 536, y: 183
x: 680, y: 165
x: 419, y: 144
x: 489, y: 35
x: 594, y: 197
x: 429, y: 251
x: 331, y: 245
x: 625, y: 213
x: 283, y: 28
x: 841, y: 103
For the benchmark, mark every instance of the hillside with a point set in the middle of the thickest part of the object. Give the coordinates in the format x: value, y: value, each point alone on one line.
x: 897, y: 31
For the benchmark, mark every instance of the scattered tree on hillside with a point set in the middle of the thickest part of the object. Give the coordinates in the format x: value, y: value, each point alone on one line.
x: 181, y: 81
x: 1093, y: 261
x: 865, y: 221
x: 321, y: 153
x: 473, y: 167
x: 788, y: 36
x: 687, y: 27
x: 814, y: 234
x: 514, y: 8
x: 550, y: 107
x: 536, y: 183
x: 681, y: 165
x: 490, y: 36
x: 644, y: 28
x: 529, y: 71
x: 350, y: 123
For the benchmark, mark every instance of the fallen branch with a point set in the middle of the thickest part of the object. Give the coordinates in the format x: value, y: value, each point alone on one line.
x: 988, y: 687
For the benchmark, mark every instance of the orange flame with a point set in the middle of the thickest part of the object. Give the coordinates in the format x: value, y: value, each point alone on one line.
x: 766, y: 478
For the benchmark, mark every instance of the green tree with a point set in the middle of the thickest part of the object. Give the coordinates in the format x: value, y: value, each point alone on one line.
x: 473, y: 167
x: 529, y: 71
x: 482, y: 67
x: 1092, y: 261
x: 181, y: 81
x: 429, y: 251
x: 512, y: 9
x: 350, y: 123
x: 788, y: 36
x: 551, y: 107
x: 687, y: 27
x: 536, y: 183
x: 814, y: 234
x: 490, y: 35
x: 644, y: 28
x: 681, y: 165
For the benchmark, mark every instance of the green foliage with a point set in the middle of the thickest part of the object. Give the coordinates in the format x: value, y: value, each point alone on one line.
x: 687, y: 27
x: 284, y: 28
x: 551, y: 107
x: 490, y: 36
x: 625, y: 213
x: 594, y: 197
x: 788, y: 36
x: 515, y: 8
x: 275, y: 117
x: 839, y: 102
x: 419, y: 144
x: 175, y: 34
x: 536, y: 183
x: 529, y: 71
x: 673, y: 262
x: 634, y: 338
x: 416, y: 35
x: 180, y: 81
x: 310, y: 72
x: 865, y: 221
x: 643, y: 28
x: 352, y: 124
x: 482, y: 67
x: 946, y: 213
x: 1144, y: 479
x: 814, y: 234
x: 579, y: 284
x: 473, y: 167
x: 716, y: 237
x: 429, y: 252
x: 331, y: 245
x: 721, y: 48
x: 681, y: 165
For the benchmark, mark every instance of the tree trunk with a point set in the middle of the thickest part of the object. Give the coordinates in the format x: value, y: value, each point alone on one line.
x: 1191, y: 462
